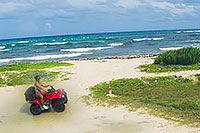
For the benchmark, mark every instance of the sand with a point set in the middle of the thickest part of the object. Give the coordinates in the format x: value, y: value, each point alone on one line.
x: 79, y: 118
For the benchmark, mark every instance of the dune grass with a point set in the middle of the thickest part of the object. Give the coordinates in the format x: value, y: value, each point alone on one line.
x: 170, y: 97
x: 156, y: 68
x: 27, y: 77
x: 23, y: 74
x: 32, y: 66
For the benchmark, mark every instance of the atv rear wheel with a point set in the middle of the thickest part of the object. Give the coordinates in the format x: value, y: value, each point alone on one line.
x: 35, y: 109
x: 58, y: 106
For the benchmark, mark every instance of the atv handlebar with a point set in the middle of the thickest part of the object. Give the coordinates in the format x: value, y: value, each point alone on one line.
x: 51, y: 90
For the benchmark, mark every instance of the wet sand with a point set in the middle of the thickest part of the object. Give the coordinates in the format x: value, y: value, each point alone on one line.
x: 78, y: 118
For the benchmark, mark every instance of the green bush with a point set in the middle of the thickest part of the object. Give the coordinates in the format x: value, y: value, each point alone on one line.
x: 185, y: 56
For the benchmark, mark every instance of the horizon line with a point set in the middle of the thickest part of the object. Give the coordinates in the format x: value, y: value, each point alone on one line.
x: 89, y: 33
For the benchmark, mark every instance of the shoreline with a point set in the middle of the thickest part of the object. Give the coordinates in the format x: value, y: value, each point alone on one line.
x: 117, y: 57
x: 95, y: 58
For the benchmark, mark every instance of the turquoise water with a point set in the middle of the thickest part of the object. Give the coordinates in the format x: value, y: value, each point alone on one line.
x: 67, y: 47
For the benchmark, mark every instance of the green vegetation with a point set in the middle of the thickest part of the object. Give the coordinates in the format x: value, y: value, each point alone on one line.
x: 170, y: 97
x: 175, y: 60
x: 22, y: 74
x: 185, y: 56
x: 156, y: 68
x: 198, y: 78
x: 32, y: 66
x: 27, y: 77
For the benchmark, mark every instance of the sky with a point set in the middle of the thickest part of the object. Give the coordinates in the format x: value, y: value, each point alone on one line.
x: 30, y: 18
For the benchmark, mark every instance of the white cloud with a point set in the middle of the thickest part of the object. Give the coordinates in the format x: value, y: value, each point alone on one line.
x: 10, y: 8
x: 84, y: 3
x: 128, y: 3
x: 50, y: 13
x: 48, y: 26
x: 173, y: 8
x: 70, y: 8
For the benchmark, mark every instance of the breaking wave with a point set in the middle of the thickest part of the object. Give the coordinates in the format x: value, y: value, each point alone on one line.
x: 23, y: 42
x: 148, y: 39
x: 83, y: 49
x: 1, y: 50
x: 193, y: 41
x: 191, y: 31
x: 170, y: 48
x: 115, y: 44
x: 55, y: 43
x: 2, y: 47
x: 44, y: 57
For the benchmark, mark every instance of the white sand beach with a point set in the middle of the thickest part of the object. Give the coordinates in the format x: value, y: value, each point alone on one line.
x: 79, y: 118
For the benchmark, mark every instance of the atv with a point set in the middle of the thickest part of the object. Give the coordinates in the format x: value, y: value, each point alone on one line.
x: 52, y: 99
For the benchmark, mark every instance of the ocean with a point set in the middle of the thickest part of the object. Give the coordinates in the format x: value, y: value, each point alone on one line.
x: 66, y: 47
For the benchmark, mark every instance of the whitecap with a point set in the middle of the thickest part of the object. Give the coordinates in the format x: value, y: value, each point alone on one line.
x: 12, y: 45
x: 2, y: 47
x: 1, y: 50
x: 53, y: 40
x: 191, y: 31
x: 44, y: 57
x: 55, y: 43
x: 23, y: 42
x: 83, y: 49
x: 155, y: 39
x: 109, y: 37
x: 101, y: 41
x: 140, y: 39
x: 193, y: 41
x: 148, y: 39
x: 64, y: 39
x: 178, y: 32
x: 115, y: 44
x: 170, y: 48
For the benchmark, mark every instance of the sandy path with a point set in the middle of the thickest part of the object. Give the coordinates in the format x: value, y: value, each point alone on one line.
x: 15, y: 117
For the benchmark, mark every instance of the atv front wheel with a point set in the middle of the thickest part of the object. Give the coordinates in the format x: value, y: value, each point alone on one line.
x: 35, y: 109
x: 58, y: 106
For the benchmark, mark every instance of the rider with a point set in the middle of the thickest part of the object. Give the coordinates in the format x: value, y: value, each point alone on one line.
x: 40, y: 90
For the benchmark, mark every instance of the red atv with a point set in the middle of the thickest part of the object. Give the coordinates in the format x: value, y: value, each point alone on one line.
x: 52, y: 99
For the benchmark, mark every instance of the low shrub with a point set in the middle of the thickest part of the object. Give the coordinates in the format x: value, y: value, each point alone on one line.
x: 185, y: 56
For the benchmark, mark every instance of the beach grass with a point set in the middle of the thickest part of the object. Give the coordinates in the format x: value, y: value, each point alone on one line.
x: 26, y: 77
x: 169, y: 97
x: 156, y: 68
x: 32, y: 66
x: 23, y: 74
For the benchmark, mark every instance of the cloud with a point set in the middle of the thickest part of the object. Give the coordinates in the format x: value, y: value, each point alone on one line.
x: 11, y: 9
x: 176, y: 9
x: 49, y: 13
x: 85, y: 3
x: 51, y: 9
x: 48, y: 26
x: 129, y: 3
